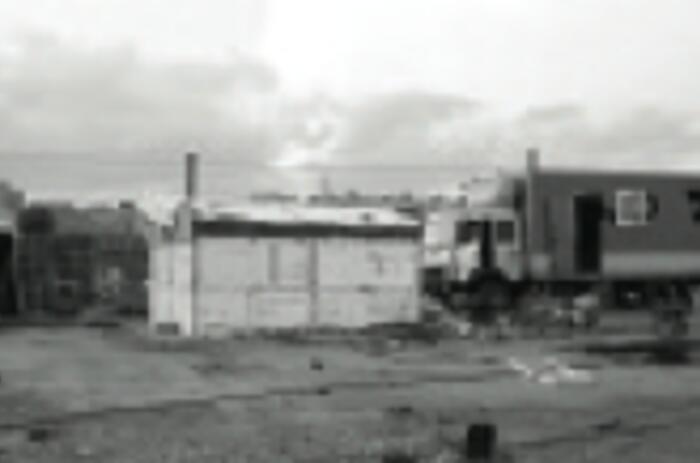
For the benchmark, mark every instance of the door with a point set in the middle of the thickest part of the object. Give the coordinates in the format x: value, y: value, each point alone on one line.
x: 588, y: 236
x: 507, y: 250
x: 487, y: 251
x: 8, y: 296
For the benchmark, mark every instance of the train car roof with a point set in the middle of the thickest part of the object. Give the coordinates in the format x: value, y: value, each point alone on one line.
x: 619, y: 172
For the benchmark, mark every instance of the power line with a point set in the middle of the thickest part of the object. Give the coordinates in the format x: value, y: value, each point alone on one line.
x: 246, y: 165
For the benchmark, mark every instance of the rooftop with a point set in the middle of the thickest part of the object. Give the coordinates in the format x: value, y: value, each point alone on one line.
x: 299, y: 214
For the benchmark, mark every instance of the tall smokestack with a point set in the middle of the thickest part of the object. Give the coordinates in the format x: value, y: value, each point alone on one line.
x: 326, y: 190
x: 533, y: 159
x: 192, y: 175
x: 527, y: 224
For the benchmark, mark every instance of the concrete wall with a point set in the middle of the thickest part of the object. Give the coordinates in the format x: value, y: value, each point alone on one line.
x: 170, y: 287
x: 245, y: 283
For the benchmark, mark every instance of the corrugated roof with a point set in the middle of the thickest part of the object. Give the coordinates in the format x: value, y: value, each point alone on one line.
x: 291, y: 214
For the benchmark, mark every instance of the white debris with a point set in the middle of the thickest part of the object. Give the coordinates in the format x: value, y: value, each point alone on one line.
x: 464, y: 328
x: 520, y: 367
x: 552, y: 372
x: 567, y: 374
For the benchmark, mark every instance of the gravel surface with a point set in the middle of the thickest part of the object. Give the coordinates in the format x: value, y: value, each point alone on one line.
x: 414, y: 399
x: 336, y: 428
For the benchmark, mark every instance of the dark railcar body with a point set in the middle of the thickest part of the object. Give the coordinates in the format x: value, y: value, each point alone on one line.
x: 613, y: 225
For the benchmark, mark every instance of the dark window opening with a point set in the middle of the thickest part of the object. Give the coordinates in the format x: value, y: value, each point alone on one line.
x: 588, y: 239
x: 694, y: 200
x: 505, y: 232
x: 8, y: 294
x: 653, y: 207
x: 435, y: 201
x: 67, y: 289
x: 467, y: 231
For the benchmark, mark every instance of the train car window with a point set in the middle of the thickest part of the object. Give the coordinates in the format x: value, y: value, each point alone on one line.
x: 505, y: 231
x: 694, y: 200
x: 466, y: 231
x: 653, y: 207
x: 631, y: 208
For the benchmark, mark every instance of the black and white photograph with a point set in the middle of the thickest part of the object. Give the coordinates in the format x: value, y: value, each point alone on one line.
x: 362, y: 231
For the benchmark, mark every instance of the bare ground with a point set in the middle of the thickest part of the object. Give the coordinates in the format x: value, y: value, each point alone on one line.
x: 111, y: 396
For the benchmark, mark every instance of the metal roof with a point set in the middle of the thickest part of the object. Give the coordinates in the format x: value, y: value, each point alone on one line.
x: 299, y: 214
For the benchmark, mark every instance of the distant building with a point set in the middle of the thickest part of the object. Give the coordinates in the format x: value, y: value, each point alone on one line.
x: 477, y: 187
x: 279, y: 267
x: 274, y: 198
x: 70, y: 259
x: 405, y: 202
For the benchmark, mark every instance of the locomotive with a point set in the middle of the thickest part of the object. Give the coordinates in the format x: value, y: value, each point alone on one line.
x: 629, y: 238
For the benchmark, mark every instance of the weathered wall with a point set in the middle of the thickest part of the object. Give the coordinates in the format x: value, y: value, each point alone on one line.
x: 11, y: 201
x: 247, y: 284
x: 170, y: 287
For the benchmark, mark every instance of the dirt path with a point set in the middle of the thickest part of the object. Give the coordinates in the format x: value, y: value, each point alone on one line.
x: 112, y: 399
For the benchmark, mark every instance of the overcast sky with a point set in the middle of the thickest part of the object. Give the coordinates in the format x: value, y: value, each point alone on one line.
x: 416, y: 81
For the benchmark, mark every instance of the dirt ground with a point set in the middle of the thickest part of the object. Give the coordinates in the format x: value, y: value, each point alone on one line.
x: 113, y: 395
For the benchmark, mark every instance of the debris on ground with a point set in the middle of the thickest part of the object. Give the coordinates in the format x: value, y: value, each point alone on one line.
x: 545, y: 314
x: 84, y: 452
x: 316, y: 364
x: 443, y: 322
x: 609, y: 425
x: 41, y: 434
x: 488, y: 360
x: 211, y: 369
x: 415, y: 331
x: 400, y: 410
x: 101, y: 315
x: 399, y: 457
x: 551, y: 372
x: 377, y: 346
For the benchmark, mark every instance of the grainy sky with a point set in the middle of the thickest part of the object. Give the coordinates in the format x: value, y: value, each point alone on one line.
x: 608, y: 82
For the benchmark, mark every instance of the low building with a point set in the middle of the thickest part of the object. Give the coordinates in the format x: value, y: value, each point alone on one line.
x: 240, y: 269
x: 70, y: 259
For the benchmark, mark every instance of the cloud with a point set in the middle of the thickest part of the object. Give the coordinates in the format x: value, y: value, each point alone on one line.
x: 639, y: 137
x: 650, y: 131
x: 398, y: 126
x: 442, y: 129
x: 58, y: 96
x: 552, y: 114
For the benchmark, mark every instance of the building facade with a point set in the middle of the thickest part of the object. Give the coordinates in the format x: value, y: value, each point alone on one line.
x: 280, y: 268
